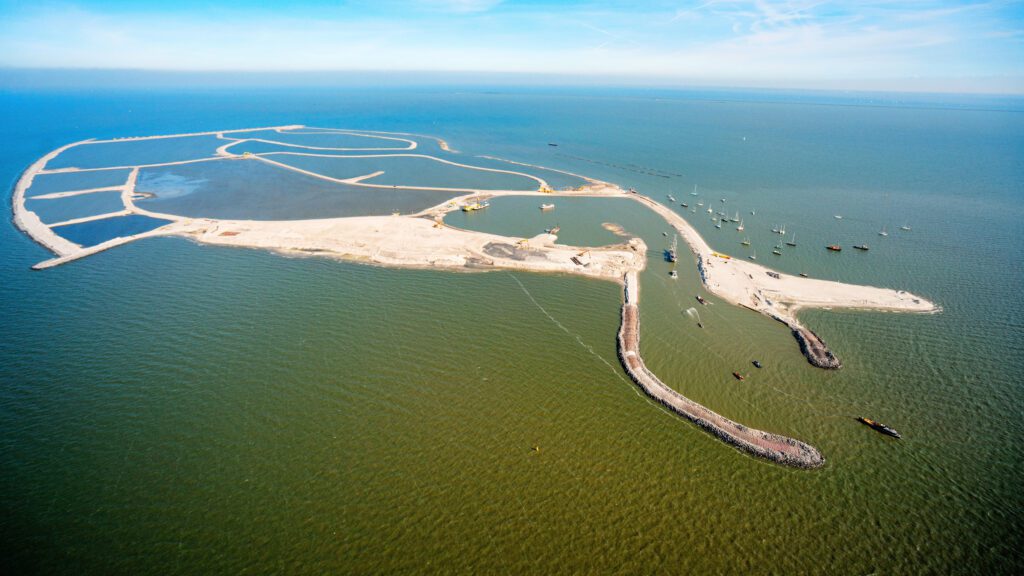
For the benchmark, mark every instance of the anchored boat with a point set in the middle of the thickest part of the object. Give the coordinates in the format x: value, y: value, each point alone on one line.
x: 547, y: 206
x: 861, y: 247
x: 834, y: 247
x: 475, y: 206
x: 879, y: 427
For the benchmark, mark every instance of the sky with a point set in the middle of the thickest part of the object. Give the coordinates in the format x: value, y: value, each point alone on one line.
x: 919, y: 45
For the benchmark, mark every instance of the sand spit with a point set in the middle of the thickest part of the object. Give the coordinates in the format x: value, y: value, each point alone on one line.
x: 779, y: 295
x: 409, y: 242
x: 773, y: 447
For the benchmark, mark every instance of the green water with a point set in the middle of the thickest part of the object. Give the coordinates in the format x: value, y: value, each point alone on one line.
x: 171, y: 408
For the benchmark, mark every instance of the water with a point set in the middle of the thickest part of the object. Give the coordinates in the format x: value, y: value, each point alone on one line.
x: 52, y: 210
x: 99, y: 231
x: 175, y: 408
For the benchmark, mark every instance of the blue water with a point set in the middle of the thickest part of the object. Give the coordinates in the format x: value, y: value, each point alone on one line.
x: 99, y: 231
x: 171, y: 407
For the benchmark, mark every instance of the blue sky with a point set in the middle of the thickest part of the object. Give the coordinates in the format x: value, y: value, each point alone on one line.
x: 845, y: 44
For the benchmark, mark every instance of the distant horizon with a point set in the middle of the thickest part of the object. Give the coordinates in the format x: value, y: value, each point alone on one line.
x: 60, y: 77
x: 937, y: 46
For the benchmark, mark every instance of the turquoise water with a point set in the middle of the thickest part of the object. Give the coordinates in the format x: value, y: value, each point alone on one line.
x: 176, y: 408
x: 60, y: 209
x: 99, y: 231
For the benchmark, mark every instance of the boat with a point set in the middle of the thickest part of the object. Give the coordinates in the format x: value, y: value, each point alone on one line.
x: 722, y: 199
x: 746, y: 241
x: 719, y: 225
x: 700, y: 203
x: 883, y: 232
x: 664, y: 234
x: 803, y: 275
x: 735, y: 218
x: 838, y: 217
x: 710, y: 211
x: 552, y: 144
x: 791, y: 241
x: 553, y: 230
x: 702, y: 300
x: 673, y: 274
x: 685, y: 205
x: 547, y: 206
x: 670, y: 254
x: 694, y: 193
x: 738, y: 376
x: 879, y: 427
x: 752, y: 213
x: 777, y: 252
x: 753, y: 256
x: 740, y: 227
x: 905, y: 228
x: 834, y: 247
x: 475, y: 206
x: 756, y: 363
x: 863, y: 247
x: 670, y: 197
x: 782, y: 231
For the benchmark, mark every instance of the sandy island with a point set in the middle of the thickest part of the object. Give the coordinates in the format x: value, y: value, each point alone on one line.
x: 422, y: 240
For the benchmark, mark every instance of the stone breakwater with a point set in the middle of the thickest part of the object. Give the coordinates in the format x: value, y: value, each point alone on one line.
x: 773, y: 447
x: 815, y: 349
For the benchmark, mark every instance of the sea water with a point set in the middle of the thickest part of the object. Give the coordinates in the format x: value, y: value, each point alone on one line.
x: 170, y: 407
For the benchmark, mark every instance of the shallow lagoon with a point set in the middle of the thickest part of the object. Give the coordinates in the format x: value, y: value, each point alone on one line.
x: 99, y: 231
x: 409, y: 171
x: 61, y: 209
x: 324, y: 139
x: 255, y: 190
x: 135, y: 152
x: 71, y: 181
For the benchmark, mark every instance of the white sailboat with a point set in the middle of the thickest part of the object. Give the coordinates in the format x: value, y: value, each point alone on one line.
x: 883, y: 232
x: 740, y: 227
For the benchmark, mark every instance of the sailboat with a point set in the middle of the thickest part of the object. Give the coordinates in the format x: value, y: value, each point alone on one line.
x: 719, y: 225
x: 736, y: 218
x: 740, y: 227
x: 670, y: 197
x: 883, y: 232
x: 905, y: 227
x: 694, y: 193
x: 753, y: 256
x: 776, y: 251
x: 710, y: 211
x: 746, y: 241
x: 792, y: 241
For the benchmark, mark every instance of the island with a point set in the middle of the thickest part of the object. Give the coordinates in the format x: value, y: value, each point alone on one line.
x: 53, y: 204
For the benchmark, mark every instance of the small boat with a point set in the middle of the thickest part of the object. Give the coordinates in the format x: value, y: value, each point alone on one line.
x: 475, y: 206
x: 735, y: 218
x: 752, y: 213
x: 740, y: 227
x: 702, y: 300
x: 672, y: 274
x: 700, y: 203
x: 863, y: 247
x: 685, y: 205
x: 838, y: 217
x: 753, y: 256
x: 879, y: 427
x: 905, y: 228
x: 756, y: 363
x: 710, y: 211
x: 746, y: 242
x: 792, y: 241
x: 670, y: 254
x: 723, y: 199
x: 664, y: 234
x: 738, y: 376
x: 803, y: 275
x: 694, y: 193
x: 719, y: 226
x: 547, y: 206
x: 670, y: 197
x: 883, y: 232
x: 777, y: 252
x: 552, y: 144
x: 834, y: 247
x: 553, y: 230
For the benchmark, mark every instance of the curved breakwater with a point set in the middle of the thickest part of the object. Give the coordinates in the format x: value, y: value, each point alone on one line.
x: 774, y: 447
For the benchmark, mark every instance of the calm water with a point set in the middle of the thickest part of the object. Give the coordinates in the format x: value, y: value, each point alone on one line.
x: 175, y: 408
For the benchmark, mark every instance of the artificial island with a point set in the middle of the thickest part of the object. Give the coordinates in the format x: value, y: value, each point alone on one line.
x: 381, y: 198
